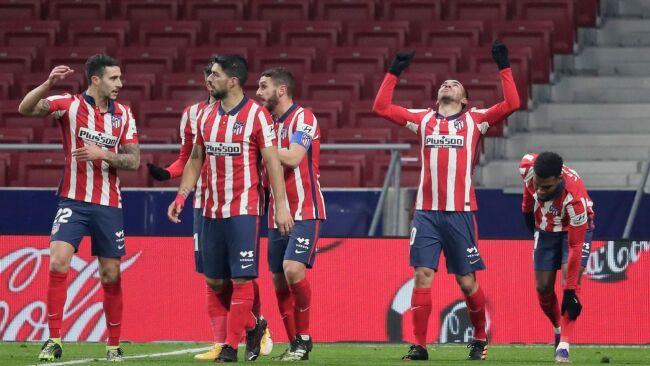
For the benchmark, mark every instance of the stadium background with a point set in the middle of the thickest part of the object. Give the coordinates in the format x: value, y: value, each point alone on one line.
x: 339, y: 50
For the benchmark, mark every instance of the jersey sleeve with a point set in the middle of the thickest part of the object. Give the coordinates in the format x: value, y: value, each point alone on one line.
x: 264, y: 130
x: 198, y: 135
x: 130, y: 134
x: 576, y: 211
x: 305, y: 130
x: 175, y: 169
x: 384, y: 107
x: 527, y: 200
x: 59, y: 104
x: 498, y: 112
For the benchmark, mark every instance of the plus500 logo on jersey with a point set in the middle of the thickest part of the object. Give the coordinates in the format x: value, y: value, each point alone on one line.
x: 223, y: 148
x: 436, y: 141
x: 98, y: 138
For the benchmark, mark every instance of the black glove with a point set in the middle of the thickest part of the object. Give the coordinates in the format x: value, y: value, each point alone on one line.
x: 157, y: 172
x: 500, y: 55
x: 401, y: 62
x: 529, y: 218
x: 571, y: 304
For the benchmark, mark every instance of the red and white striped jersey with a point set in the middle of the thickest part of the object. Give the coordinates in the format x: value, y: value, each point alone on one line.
x: 299, y: 125
x: 571, y: 207
x: 233, y: 142
x: 449, y: 146
x: 188, y: 130
x: 82, y: 122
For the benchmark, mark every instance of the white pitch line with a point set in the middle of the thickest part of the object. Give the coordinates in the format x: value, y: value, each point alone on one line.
x: 179, y: 352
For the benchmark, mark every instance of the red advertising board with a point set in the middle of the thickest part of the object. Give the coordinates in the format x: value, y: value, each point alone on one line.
x: 361, y: 292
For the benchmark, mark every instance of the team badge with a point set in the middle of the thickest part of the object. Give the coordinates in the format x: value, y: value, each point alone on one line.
x: 554, y: 210
x: 283, y: 133
x: 238, y: 128
x: 116, y: 121
x: 305, y: 140
x: 459, y: 124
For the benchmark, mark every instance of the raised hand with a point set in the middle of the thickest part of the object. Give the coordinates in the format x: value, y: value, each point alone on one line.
x: 59, y: 73
x: 401, y: 61
x: 500, y: 54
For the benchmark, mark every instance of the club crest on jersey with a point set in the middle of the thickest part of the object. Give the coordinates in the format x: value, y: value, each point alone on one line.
x: 554, y: 210
x: 223, y: 148
x: 459, y: 124
x: 97, y: 138
x: 116, y: 121
x: 283, y: 133
x: 238, y: 128
x: 444, y: 141
x: 305, y: 140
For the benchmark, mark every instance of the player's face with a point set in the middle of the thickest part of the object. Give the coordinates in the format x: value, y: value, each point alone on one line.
x: 546, y: 187
x: 110, y: 83
x: 267, y: 93
x: 219, y: 82
x: 451, y: 91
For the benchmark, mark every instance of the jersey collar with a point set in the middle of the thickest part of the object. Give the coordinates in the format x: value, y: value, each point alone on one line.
x: 450, y: 118
x: 235, y: 110
x: 287, y: 113
x: 90, y: 100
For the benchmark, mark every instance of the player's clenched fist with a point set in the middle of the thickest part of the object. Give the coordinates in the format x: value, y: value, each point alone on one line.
x: 175, y: 208
x: 401, y: 61
x: 500, y: 54
x: 571, y: 304
x: 59, y: 73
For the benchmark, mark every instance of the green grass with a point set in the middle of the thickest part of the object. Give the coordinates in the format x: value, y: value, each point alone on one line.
x: 14, y: 353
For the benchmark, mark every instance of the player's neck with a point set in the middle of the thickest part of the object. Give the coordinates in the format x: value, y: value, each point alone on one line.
x: 232, y: 100
x: 449, y: 109
x: 100, y: 102
x: 282, y: 107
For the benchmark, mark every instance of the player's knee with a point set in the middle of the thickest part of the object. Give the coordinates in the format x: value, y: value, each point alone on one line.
x: 217, y: 285
x: 467, y: 284
x: 59, y: 265
x: 544, y: 288
x: 279, y: 281
x: 109, y: 275
x: 423, y: 277
x: 294, y: 271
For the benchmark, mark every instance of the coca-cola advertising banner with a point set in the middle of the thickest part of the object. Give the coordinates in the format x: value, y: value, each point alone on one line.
x: 361, y: 292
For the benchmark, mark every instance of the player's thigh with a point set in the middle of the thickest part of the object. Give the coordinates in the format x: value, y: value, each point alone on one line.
x: 302, y: 243
x: 425, y: 241
x: 107, y: 232
x: 243, y: 242
x: 547, y: 250
x: 197, y: 226
x: 545, y: 281
x: 276, y: 249
x: 460, y: 243
x: 71, y: 223
x: 214, y: 251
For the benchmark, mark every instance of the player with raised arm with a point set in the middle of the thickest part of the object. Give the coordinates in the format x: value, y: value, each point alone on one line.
x: 234, y: 135
x: 557, y: 208
x: 444, y: 209
x: 290, y: 255
x: 99, y: 137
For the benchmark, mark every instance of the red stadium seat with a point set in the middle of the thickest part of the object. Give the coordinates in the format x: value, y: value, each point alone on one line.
x: 9, y: 117
x: 211, y: 10
x: 360, y: 115
x: 419, y: 89
x: 19, y: 33
x: 488, y: 11
x: 74, y: 9
x: 4, y: 171
x: 345, y: 87
x: 587, y: 12
x: 17, y: 60
x: 141, y: 10
x: 197, y: 58
x: 150, y: 60
x: 159, y: 135
x: 39, y: 169
x: 328, y: 113
x: 319, y: 34
x: 169, y: 34
x: 366, y: 60
x: 6, y: 85
x: 298, y: 60
x: 454, y: 33
x: 534, y: 34
x: 72, y: 84
x: 26, y: 10
x: 74, y: 57
x: 435, y: 60
x: 346, y: 10
x: 560, y: 12
x: 186, y: 88
x: 251, y: 33
x: 161, y: 114
x: 416, y: 12
x: 93, y: 33
x: 280, y: 10
x: 361, y: 136
x: 137, y: 178
x: 137, y: 87
x: 51, y: 135
x: 164, y: 159
x: 410, y: 170
x: 391, y: 34
x: 16, y: 135
x: 341, y: 170
x: 485, y: 87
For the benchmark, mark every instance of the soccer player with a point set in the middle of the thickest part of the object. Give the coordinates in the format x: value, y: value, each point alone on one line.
x: 557, y: 208
x: 444, y: 209
x: 290, y: 255
x: 217, y: 304
x: 234, y: 134
x: 100, y: 137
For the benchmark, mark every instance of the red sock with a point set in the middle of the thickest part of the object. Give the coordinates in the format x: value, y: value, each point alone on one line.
x: 217, y: 312
x: 56, y: 294
x: 567, y: 328
x: 550, y: 307
x: 240, y: 317
x: 257, y: 303
x: 476, y: 309
x: 421, y: 309
x: 113, y: 311
x: 285, y: 304
x: 301, y: 292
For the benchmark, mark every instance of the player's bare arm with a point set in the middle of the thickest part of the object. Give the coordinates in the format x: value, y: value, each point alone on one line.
x: 274, y: 168
x: 191, y: 174
x: 128, y: 157
x: 33, y: 103
x: 292, y: 156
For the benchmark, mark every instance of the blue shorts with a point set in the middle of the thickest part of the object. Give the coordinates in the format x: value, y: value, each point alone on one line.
x: 451, y: 232
x: 230, y: 247
x: 300, y: 246
x: 197, y: 225
x: 104, y: 224
x: 551, y: 250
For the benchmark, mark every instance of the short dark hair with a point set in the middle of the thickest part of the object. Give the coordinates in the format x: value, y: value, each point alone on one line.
x: 96, y: 64
x: 207, y: 69
x: 234, y: 66
x: 282, y: 76
x: 548, y: 164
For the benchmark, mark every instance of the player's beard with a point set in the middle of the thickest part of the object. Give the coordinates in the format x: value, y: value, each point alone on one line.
x: 219, y: 94
x: 445, y: 99
x: 272, y: 103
